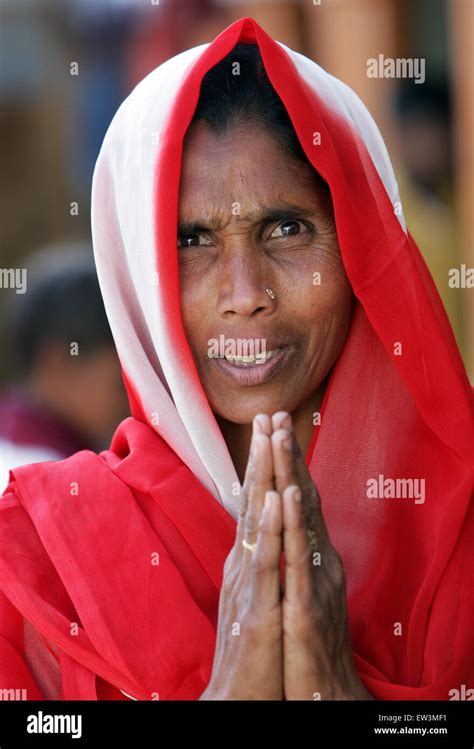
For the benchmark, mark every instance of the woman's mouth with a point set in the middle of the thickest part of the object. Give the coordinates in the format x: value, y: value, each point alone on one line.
x: 254, y: 370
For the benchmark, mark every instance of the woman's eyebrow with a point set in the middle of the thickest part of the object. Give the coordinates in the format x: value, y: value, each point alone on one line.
x: 274, y: 213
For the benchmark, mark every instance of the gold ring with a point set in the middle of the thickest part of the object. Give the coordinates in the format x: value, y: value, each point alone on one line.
x: 250, y: 547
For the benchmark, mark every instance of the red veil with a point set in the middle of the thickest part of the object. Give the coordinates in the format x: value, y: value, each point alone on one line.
x: 111, y: 564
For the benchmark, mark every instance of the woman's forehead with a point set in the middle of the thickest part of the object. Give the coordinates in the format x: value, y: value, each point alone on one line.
x: 245, y: 166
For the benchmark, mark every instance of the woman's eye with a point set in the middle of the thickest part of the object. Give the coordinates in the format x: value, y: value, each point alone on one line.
x: 288, y: 229
x: 192, y: 240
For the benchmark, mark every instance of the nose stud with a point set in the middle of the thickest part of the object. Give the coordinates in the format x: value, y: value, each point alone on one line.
x: 270, y: 293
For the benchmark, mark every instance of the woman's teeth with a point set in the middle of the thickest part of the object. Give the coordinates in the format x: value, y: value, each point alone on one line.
x: 245, y: 361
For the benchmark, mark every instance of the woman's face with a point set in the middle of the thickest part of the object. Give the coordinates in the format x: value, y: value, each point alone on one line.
x: 252, y: 218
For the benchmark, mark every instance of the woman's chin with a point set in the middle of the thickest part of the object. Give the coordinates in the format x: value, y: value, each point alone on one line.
x: 243, y: 411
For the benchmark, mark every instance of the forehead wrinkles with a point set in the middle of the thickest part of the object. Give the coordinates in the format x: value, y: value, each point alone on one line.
x: 231, y: 181
x: 238, y: 158
x: 220, y: 214
x: 217, y: 199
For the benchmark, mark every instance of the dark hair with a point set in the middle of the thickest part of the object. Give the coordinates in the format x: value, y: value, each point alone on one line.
x: 432, y: 99
x: 227, y: 99
x: 62, y: 304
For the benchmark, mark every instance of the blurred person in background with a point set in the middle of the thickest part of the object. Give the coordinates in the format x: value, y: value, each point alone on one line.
x: 424, y: 118
x: 68, y: 394
x: 424, y: 172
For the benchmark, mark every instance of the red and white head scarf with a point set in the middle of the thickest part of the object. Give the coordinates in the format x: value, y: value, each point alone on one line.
x: 397, y: 416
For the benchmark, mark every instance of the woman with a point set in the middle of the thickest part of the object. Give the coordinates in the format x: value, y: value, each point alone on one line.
x: 332, y: 562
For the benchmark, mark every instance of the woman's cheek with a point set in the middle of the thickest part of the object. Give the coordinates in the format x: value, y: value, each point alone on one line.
x: 320, y: 298
x: 328, y: 309
x: 198, y: 322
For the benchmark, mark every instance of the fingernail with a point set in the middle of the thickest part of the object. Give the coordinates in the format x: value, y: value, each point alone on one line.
x: 257, y: 427
x: 286, y: 423
x: 297, y: 495
x: 269, y: 496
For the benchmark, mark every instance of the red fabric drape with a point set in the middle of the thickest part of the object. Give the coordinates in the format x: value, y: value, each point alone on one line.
x: 135, y: 559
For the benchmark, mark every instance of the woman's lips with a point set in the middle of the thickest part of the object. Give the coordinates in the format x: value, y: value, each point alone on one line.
x: 255, y: 373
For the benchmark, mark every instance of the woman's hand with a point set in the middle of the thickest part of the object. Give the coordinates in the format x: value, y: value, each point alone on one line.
x: 248, y: 661
x: 317, y: 653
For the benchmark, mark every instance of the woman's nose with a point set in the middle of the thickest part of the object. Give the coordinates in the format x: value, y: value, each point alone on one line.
x: 243, y: 288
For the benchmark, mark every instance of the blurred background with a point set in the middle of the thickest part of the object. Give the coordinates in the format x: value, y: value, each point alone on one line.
x: 66, y: 65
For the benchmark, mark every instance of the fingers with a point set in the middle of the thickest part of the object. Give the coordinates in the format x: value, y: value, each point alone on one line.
x: 263, y: 424
x: 281, y: 420
x: 283, y: 459
x: 261, y: 481
x: 314, y: 572
x: 282, y: 450
x: 290, y: 468
x: 312, y: 508
x: 258, y: 480
x: 289, y: 464
x: 297, y: 550
x: 265, y: 571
